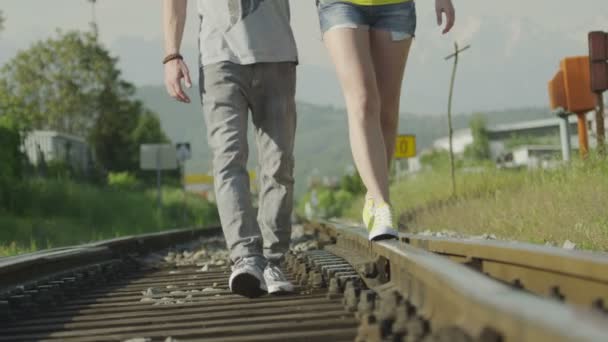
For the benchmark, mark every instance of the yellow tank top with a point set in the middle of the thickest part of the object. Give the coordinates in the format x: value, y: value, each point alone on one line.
x: 375, y: 2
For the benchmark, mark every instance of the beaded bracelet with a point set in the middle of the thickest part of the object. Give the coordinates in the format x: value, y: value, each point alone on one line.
x: 172, y: 57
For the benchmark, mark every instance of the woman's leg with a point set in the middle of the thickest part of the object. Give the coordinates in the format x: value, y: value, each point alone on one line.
x: 389, y: 58
x: 350, y: 51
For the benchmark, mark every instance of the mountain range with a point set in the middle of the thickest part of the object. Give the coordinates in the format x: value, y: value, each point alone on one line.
x: 322, y: 145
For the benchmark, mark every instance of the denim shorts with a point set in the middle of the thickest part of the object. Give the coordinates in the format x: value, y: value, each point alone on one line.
x: 399, y: 19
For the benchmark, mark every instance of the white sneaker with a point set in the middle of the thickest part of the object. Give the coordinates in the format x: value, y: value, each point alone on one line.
x: 382, y: 225
x: 368, y: 212
x: 276, y: 281
x: 247, y: 278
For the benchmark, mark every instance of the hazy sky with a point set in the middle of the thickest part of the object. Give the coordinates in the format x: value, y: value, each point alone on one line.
x: 516, y: 45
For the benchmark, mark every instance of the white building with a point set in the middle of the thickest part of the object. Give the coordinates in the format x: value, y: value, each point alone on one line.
x: 52, y: 145
x: 499, y: 135
x: 535, y: 156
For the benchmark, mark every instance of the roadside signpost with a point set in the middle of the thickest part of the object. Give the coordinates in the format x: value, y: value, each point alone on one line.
x: 184, y: 154
x: 158, y: 157
x: 183, y: 151
x: 405, y: 146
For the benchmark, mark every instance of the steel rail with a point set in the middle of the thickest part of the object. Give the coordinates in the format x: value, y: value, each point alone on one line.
x: 100, y: 292
x: 448, y: 294
x: 390, y: 290
x: 38, y: 265
x: 573, y: 276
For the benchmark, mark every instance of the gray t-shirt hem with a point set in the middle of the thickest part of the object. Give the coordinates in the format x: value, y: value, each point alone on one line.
x: 246, y: 32
x: 246, y: 60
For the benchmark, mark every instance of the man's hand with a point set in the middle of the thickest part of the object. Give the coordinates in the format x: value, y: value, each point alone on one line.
x: 175, y: 71
x: 174, y: 20
x: 445, y: 7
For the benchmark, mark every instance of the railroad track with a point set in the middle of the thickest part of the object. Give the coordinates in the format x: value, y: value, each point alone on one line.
x: 173, y: 287
x: 570, y: 276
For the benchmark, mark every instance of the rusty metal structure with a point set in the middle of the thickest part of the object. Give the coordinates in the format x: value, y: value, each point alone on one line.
x: 578, y: 88
x: 412, y: 289
x: 569, y: 89
x: 598, y: 57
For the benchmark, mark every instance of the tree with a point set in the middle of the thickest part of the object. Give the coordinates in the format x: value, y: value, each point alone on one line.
x: 11, y: 156
x: 148, y: 130
x: 1, y: 21
x: 480, y: 148
x: 118, y: 134
x: 71, y: 84
x: 59, y: 82
x: 11, y: 167
x: 436, y: 159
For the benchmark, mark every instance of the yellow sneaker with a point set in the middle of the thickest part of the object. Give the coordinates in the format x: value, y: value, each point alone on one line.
x: 382, y: 227
x: 368, y: 212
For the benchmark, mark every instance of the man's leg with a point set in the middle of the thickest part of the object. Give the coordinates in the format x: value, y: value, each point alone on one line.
x: 224, y: 88
x: 274, y: 118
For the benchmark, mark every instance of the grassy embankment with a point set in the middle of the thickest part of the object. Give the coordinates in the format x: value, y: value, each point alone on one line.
x: 59, y: 213
x: 569, y: 203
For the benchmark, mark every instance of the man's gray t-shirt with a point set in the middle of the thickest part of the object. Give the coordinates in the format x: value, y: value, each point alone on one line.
x: 246, y: 31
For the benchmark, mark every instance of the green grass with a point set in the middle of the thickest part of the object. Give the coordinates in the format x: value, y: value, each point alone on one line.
x: 568, y: 203
x: 58, y: 213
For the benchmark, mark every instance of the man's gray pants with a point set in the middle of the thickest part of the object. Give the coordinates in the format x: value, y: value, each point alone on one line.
x: 229, y: 91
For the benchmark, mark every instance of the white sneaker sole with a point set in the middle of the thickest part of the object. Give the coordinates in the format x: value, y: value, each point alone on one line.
x: 281, y: 289
x: 247, y: 284
x: 383, y: 233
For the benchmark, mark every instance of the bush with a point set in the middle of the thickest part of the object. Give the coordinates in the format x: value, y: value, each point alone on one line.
x: 479, y: 150
x: 59, y: 169
x: 123, y: 181
x: 352, y: 184
x: 62, y: 212
x: 436, y: 160
x: 330, y: 202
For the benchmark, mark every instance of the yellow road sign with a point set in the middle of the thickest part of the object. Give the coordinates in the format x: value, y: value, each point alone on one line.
x: 206, y: 179
x: 405, y: 146
x: 198, y: 179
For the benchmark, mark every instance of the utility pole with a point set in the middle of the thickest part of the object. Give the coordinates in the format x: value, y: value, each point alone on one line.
x: 94, y: 27
x: 450, y: 128
x: 598, y: 58
x: 599, y: 124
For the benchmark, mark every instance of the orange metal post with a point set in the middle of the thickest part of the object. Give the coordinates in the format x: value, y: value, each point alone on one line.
x: 583, y: 141
x: 579, y: 95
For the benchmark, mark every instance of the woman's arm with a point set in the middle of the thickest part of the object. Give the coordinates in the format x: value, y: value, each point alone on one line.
x: 445, y: 7
x: 174, y: 21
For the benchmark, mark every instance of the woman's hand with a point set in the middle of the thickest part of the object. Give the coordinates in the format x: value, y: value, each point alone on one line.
x: 445, y: 7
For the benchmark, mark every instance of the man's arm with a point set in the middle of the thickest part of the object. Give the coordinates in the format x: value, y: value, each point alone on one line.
x: 174, y: 21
